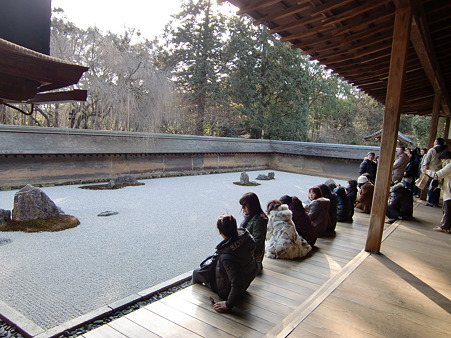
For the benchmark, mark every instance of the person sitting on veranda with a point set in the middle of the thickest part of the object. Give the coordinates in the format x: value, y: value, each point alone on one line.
x: 318, y: 211
x: 400, y: 205
x: 301, y: 219
x: 236, y: 266
x: 255, y: 221
x: 332, y: 197
x: 365, y: 193
x: 343, y: 205
x: 282, y: 240
x: 351, y: 195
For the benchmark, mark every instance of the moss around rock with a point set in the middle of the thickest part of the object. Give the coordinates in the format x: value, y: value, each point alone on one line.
x: 250, y: 184
x: 107, y: 187
x: 59, y: 223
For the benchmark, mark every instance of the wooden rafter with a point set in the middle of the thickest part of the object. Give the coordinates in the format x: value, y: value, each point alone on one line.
x: 352, y: 39
x: 420, y: 38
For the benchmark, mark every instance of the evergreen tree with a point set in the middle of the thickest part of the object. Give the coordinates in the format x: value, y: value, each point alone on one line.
x: 268, y: 83
x: 192, y: 52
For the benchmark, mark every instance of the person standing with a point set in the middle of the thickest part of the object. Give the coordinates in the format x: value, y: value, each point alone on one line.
x: 412, y: 169
x: 399, y: 167
x: 369, y: 166
x: 235, y: 266
x: 445, y: 174
x: 256, y: 222
x: 432, y: 162
x: 420, y: 154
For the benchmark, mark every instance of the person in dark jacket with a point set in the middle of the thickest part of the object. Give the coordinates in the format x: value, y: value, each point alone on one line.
x: 301, y: 219
x: 318, y: 211
x: 256, y: 222
x: 351, y: 194
x: 412, y: 169
x: 325, y: 191
x: 369, y: 166
x: 400, y: 204
x: 343, y: 206
x: 236, y: 267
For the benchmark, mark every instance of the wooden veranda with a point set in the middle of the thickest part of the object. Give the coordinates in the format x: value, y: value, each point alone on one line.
x: 338, y: 290
x: 396, y: 51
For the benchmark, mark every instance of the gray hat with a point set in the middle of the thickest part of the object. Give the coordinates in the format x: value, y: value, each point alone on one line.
x: 362, y: 179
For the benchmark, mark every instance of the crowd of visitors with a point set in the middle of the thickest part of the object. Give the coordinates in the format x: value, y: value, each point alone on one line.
x: 289, y: 228
x: 408, y: 165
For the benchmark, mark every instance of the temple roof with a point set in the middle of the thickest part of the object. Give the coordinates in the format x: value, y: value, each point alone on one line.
x: 25, y: 73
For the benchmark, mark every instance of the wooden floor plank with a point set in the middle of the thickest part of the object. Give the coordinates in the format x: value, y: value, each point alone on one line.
x: 158, y: 325
x: 306, y: 265
x: 377, y: 322
x: 305, y: 268
x: 210, y: 316
x: 237, y: 315
x: 130, y: 328
x: 331, y: 325
x: 309, y: 331
x: 289, y: 282
x: 283, y: 296
x: 246, y: 309
x: 104, y: 331
x: 172, y: 313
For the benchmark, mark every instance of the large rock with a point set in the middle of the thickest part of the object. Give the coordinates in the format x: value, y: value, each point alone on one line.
x: 32, y: 203
x: 123, y: 179
x: 244, y: 178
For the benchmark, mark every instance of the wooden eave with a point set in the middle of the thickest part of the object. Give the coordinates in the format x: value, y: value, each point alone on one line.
x: 24, y: 73
x: 353, y: 39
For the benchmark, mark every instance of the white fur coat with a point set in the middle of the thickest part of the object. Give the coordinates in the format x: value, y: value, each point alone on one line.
x: 282, y: 240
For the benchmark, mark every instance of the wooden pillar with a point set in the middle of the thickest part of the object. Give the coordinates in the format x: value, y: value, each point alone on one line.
x: 434, y: 120
x: 401, y: 37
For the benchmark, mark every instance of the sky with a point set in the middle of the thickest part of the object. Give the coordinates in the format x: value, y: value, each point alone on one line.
x: 149, y: 17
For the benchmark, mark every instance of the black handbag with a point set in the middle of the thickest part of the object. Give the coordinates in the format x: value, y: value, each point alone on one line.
x: 207, y: 271
x: 433, y: 185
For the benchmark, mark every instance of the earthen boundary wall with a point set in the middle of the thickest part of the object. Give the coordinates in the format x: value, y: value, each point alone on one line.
x: 54, y: 156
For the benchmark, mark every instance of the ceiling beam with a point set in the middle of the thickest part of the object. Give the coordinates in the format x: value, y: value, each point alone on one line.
x: 421, y: 41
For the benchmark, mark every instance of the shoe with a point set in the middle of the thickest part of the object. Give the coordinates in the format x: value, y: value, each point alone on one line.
x: 429, y: 205
x: 390, y: 221
x: 440, y: 229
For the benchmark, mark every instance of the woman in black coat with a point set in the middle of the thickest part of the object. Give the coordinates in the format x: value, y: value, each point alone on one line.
x: 235, y: 266
x: 351, y: 194
x: 400, y: 204
x: 343, y: 205
x: 327, y: 193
